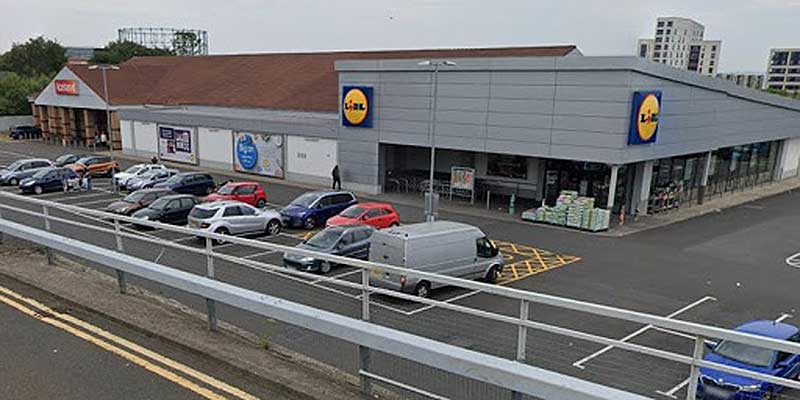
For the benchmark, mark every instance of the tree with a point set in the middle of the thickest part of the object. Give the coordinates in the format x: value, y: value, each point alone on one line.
x: 38, y: 56
x: 15, y: 89
x: 120, y: 51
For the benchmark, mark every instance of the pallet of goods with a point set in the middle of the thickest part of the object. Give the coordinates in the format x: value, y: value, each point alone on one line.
x: 572, y: 211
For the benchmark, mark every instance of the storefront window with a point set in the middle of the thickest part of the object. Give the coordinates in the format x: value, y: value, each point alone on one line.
x: 515, y: 167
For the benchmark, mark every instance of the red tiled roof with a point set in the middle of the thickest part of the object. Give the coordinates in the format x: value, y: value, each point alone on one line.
x: 285, y: 81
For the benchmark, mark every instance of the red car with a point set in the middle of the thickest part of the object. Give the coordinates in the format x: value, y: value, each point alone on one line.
x: 378, y: 215
x: 247, y: 192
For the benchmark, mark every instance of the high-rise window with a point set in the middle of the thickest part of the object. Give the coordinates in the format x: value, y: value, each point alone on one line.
x: 669, y: 23
x: 660, y: 24
x: 643, y: 50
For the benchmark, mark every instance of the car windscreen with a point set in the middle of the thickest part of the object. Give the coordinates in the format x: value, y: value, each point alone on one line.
x: 175, y: 179
x: 226, y: 190
x: 324, y: 240
x: 202, y: 213
x: 159, y: 204
x: 305, y: 200
x: 83, y: 160
x: 752, y: 355
x: 352, y: 212
x: 63, y: 159
x: 42, y: 173
x: 15, y: 165
x: 134, y: 197
x: 134, y: 169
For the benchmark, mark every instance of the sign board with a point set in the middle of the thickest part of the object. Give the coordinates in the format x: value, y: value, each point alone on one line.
x: 66, y: 87
x: 258, y: 153
x: 177, y: 144
x: 462, y: 178
x: 357, y: 106
x: 645, y: 117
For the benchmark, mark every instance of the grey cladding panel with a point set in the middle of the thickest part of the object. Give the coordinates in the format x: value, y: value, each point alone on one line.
x: 406, y: 102
x: 592, y: 108
x: 460, y: 143
x: 522, y: 92
x: 418, y: 115
x: 590, y: 139
x: 463, y: 117
x: 446, y: 76
x: 406, y: 77
x: 544, y: 107
x: 513, y: 147
x: 524, y: 78
x: 617, y: 126
x: 593, y: 78
x: 519, y: 134
x: 585, y: 153
x: 405, y: 126
x: 520, y: 120
x: 456, y: 104
x: 463, y: 90
x: 596, y: 93
x: 406, y: 89
x: 463, y: 130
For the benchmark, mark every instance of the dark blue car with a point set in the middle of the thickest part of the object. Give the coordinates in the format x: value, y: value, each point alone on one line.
x: 718, y: 385
x: 196, y: 183
x: 47, y: 179
x: 314, y: 208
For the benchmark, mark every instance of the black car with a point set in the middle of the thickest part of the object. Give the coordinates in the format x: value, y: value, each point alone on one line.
x: 46, y: 180
x: 342, y: 240
x: 67, y: 159
x: 172, y: 209
x: 196, y: 183
x: 25, y: 132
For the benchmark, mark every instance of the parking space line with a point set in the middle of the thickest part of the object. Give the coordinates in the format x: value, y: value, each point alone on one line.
x: 671, y: 332
x: 793, y: 261
x: 431, y: 306
x: 671, y: 393
x: 337, y: 276
x: 783, y: 317
x: 263, y: 253
x: 183, y: 239
x: 579, y: 363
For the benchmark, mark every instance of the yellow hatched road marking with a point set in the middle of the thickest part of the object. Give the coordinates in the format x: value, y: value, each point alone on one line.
x: 168, y: 375
x: 528, y: 264
x: 211, y: 381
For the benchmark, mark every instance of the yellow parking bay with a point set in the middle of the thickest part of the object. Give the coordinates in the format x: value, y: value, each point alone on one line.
x: 524, y: 261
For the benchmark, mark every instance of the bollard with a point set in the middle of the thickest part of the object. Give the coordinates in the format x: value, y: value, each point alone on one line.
x: 511, y: 204
x: 364, y: 353
x: 123, y: 286
x: 211, y: 305
x: 488, y: 199
x: 50, y: 256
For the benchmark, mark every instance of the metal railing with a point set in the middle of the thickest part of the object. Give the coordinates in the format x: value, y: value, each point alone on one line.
x: 534, y: 382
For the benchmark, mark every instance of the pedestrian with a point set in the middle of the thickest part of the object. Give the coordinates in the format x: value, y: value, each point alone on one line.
x: 65, y: 182
x: 87, y: 182
x: 154, y: 160
x: 337, y: 179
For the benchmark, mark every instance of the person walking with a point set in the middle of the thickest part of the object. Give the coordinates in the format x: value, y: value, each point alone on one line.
x: 154, y: 160
x: 337, y: 179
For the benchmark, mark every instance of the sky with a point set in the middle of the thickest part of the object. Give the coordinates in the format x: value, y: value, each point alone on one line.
x: 747, y: 28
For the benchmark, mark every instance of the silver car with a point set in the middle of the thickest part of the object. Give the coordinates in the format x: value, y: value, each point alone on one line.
x: 234, y: 218
x: 122, y: 178
x: 149, y: 179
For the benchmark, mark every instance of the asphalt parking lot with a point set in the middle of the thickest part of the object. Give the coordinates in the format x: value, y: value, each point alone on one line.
x: 722, y: 269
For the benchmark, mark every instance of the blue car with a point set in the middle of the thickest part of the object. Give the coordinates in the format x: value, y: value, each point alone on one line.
x: 21, y: 169
x: 47, y: 179
x: 196, y: 183
x: 314, y: 208
x: 718, y: 385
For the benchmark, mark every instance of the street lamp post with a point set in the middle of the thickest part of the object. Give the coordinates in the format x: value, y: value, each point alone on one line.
x: 432, y: 127
x: 103, y: 69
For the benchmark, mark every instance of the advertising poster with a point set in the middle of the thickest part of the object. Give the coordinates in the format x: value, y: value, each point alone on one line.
x: 177, y: 144
x: 258, y: 153
x: 462, y: 178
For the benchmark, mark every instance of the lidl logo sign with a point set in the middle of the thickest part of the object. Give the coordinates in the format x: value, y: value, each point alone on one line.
x: 645, y: 117
x: 357, y: 106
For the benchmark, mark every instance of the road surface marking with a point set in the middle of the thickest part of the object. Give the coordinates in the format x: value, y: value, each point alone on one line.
x: 335, y: 277
x: 676, y: 333
x: 168, y: 375
x: 783, y: 317
x: 44, y: 311
x: 793, y: 261
x: 671, y: 392
x: 450, y: 300
x: 263, y: 253
x: 579, y: 363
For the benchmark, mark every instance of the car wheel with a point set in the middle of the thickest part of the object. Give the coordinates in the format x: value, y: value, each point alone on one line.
x: 423, y: 289
x: 13, y: 181
x: 493, y: 275
x: 261, y: 203
x: 221, y: 231
x: 311, y: 223
x: 273, y: 227
x: 325, y: 267
x: 38, y: 189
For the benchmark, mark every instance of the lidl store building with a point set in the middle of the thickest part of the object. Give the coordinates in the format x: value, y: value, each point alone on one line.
x: 527, y: 121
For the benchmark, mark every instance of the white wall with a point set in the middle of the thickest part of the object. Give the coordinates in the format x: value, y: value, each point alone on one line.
x: 145, y: 136
x: 126, y: 130
x: 9, y: 121
x: 311, y: 156
x: 789, y: 159
x: 215, y: 146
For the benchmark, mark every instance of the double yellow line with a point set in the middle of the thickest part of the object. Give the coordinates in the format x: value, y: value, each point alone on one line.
x: 169, y: 369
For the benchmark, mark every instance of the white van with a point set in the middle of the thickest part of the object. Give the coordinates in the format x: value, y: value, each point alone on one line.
x: 441, y: 247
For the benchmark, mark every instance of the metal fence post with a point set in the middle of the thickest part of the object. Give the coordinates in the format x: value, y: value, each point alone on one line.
x: 211, y: 306
x: 1, y: 233
x: 522, y: 338
x: 50, y: 256
x: 694, y: 376
x: 363, y: 351
x: 123, y: 286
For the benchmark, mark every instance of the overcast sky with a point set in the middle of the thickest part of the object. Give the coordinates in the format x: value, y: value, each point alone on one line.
x: 747, y: 28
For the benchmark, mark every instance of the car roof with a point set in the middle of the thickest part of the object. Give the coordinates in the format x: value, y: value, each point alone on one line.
x: 154, y: 190
x: 771, y: 329
x: 33, y: 159
x: 219, y: 204
x: 431, y: 228
x: 374, y: 205
x: 328, y: 192
x: 177, y: 196
x: 242, y: 183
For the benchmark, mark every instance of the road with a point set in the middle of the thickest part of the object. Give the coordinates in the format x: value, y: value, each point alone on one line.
x: 53, y: 352
x: 722, y: 269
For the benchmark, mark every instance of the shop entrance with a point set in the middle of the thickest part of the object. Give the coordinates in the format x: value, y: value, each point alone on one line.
x: 588, y: 179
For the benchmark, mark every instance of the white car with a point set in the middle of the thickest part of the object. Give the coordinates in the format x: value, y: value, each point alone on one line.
x: 234, y: 218
x: 121, y: 178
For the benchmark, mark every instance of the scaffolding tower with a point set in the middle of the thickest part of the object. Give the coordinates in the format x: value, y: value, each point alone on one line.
x: 183, y: 42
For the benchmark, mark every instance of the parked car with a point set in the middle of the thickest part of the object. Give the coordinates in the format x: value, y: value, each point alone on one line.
x: 95, y: 166
x: 47, y: 179
x: 196, y: 183
x: 25, y: 132
x: 247, y: 192
x: 14, y: 173
x: 234, y: 218
x: 715, y: 384
x: 315, y: 208
x: 173, y: 209
x: 137, y: 201
x: 122, y: 178
x: 150, y: 179
x: 378, y: 215
x: 68, y: 159
x: 441, y: 247
x: 342, y: 240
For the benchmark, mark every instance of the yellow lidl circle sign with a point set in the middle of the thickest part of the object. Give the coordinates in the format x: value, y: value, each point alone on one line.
x: 357, y: 106
x: 645, y: 117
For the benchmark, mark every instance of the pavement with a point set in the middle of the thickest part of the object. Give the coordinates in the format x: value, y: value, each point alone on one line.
x: 721, y: 268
